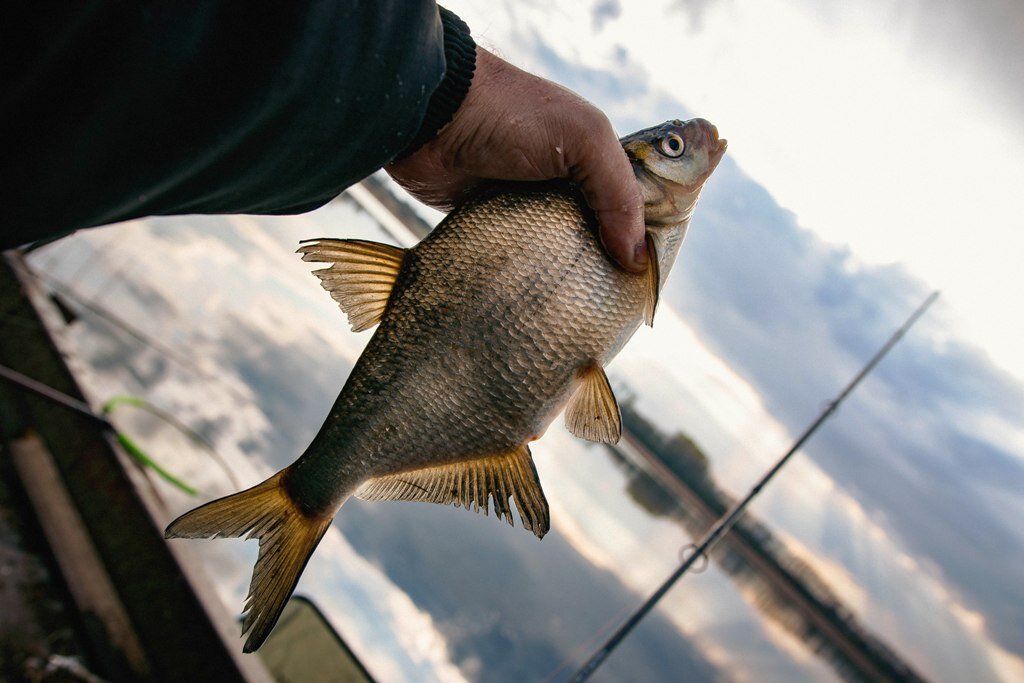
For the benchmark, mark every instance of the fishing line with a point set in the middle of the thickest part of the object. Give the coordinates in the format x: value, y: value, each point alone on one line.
x: 66, y: 287
x: 604, y: 628
x: 82, y: 408
x: 619, y: 616
x: 195, y: 437
x: 138, y: 335
x: 133, y: 449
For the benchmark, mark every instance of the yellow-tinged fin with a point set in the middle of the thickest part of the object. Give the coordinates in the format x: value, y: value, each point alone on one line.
x: 469, y: 483
x: 360, y: 277
x: 653, y: 282
x: 593, y: 413
x: 287, y: 538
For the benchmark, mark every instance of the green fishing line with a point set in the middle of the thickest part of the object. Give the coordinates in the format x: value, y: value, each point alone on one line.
x: 133, y: 449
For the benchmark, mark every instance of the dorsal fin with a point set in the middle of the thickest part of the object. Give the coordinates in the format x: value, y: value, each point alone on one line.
x: 593, y: 413
x: 360, y: 277
x: 469, y: 483
x: 653, y: 282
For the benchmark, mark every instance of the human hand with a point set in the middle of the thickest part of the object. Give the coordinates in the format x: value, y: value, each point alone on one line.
x: 515, y: 126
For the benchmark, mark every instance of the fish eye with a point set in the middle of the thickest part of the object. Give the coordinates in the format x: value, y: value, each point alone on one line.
x: 672, y: 146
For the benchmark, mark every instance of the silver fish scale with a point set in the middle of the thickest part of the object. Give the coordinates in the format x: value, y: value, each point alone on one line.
x: 492, y: 316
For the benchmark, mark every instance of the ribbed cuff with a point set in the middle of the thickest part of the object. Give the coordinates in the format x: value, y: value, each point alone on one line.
x: 460, y: 63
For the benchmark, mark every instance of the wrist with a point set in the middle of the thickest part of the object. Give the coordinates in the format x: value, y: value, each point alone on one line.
x: 460, y: 65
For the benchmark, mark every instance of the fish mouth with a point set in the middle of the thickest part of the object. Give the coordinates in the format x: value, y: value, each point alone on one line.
x: 705, y: 134
x: 716, y: 145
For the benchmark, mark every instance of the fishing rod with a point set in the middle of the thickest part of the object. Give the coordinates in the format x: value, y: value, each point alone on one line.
x: 729, y: 519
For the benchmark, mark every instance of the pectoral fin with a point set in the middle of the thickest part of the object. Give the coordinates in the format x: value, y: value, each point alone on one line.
x: 469, y: 484
x: 653, y: 282
x: 592, y: 413
x: 360, y: 277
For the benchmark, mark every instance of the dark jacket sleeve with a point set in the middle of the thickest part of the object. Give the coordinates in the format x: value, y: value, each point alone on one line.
x: 118, y: 110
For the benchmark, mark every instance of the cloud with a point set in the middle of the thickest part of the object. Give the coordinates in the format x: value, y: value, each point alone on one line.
x: 695, y: 10
x: 604, y: 11
x: 798, y: 318
x: 981, y: 42
x: 510, y: 608
x: 933, y: 436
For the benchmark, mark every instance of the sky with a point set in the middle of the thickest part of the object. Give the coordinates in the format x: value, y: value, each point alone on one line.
x: 888, y: 127
x: 874, y: 156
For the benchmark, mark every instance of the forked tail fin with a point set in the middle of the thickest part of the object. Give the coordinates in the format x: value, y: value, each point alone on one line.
x: 287, y: 536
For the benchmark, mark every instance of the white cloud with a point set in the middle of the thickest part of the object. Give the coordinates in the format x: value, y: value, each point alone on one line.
x: 840, y: 114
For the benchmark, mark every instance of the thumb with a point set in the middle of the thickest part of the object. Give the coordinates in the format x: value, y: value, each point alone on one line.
x: 613, y: 193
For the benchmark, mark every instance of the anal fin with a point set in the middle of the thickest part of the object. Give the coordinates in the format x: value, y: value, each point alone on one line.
x: 360, y: 277
x: 592, y: 413
x: 469, y: 484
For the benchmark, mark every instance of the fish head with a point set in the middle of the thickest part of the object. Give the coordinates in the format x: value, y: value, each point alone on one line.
x: 672, y: 161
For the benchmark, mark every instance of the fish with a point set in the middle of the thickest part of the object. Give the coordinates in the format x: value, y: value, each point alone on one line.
x: 503, y: 316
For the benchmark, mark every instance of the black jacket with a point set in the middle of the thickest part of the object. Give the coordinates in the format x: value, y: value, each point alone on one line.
x: 111, y: 111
